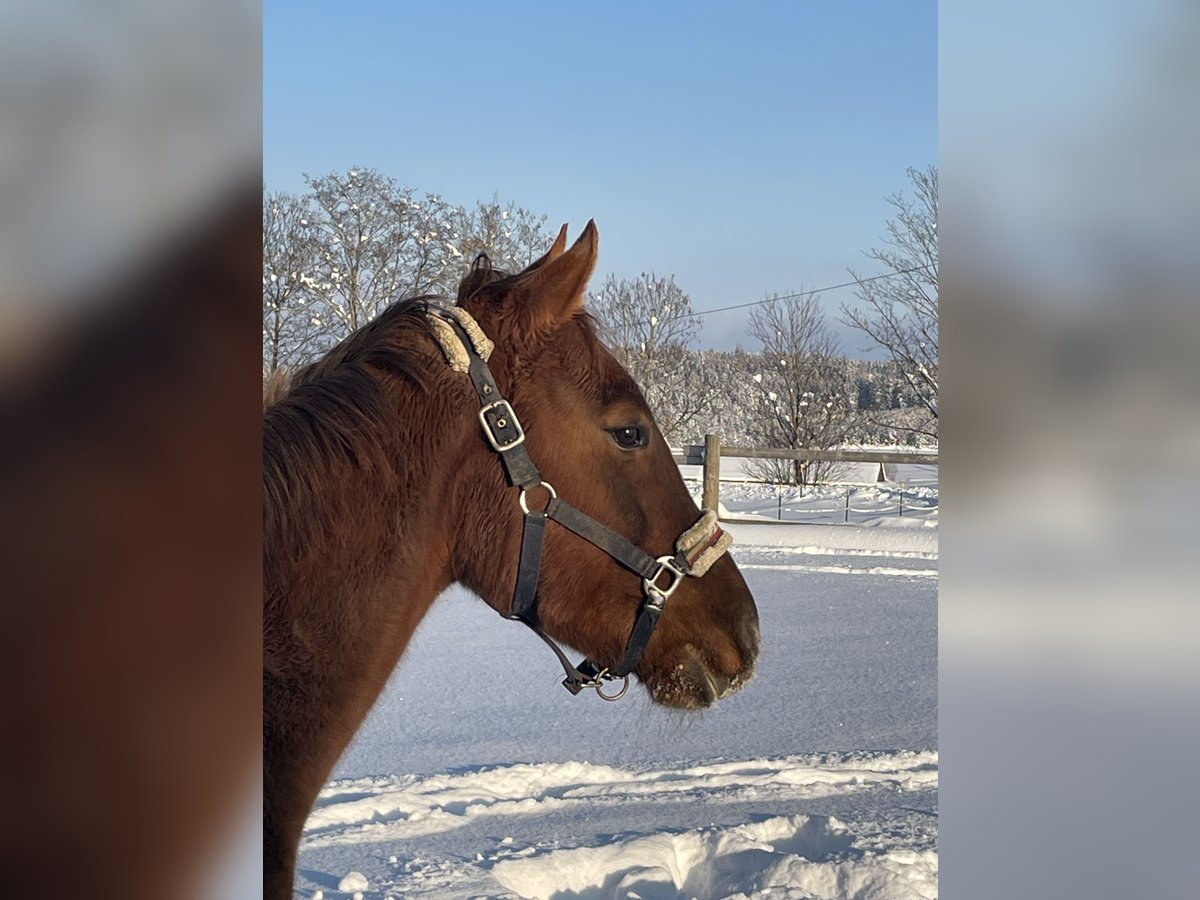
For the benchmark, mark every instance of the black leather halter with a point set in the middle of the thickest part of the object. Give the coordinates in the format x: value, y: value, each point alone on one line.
x: 661, y: 576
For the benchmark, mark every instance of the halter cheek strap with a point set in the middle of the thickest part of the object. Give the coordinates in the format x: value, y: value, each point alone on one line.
x: 466, y: 349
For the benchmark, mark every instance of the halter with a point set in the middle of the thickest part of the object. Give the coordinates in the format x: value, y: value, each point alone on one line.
x: 466, y: 349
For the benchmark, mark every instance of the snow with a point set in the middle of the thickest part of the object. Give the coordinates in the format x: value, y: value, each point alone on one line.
x: 477, y: 775
x: 354, y: 881
x: 873, y: 504
x: 784, y: 856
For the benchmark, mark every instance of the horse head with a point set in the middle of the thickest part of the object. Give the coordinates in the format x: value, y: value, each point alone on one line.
x: 592, y: 436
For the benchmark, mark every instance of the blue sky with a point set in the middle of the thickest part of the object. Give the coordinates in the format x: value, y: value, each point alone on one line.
x: 744, y: 148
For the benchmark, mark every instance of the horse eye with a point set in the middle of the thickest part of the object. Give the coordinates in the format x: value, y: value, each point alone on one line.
x: 630, y: 438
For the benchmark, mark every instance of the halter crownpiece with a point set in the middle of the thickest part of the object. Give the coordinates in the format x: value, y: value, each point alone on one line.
x: 453, y: 347
x: 466, y: 349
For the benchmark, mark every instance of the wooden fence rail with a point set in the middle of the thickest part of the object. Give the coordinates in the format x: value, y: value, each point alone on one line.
x: 710, y: 453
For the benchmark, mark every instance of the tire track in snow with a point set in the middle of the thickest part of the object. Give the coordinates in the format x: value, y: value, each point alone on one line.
x: 843, y: 570
x: 813, y: 550
x: 903, y: 563
x: 385, y: 809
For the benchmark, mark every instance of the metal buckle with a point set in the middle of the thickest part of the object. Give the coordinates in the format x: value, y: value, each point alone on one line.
x: 498, y: 445
x: 660, y: 595
x: 523, y: 499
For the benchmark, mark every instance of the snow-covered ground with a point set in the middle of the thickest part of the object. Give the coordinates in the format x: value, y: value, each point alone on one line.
x: 910, y: 496
x: 476, y: 775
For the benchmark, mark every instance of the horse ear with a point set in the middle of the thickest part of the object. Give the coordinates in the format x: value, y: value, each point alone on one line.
x: 555, y: 251
x: 554, y: 290
x: 559, y: 245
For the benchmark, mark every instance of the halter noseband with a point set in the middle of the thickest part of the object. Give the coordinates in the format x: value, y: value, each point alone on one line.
x: 466, y: 349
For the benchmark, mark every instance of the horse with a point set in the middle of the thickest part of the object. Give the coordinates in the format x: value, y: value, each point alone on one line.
x: 381, y: 490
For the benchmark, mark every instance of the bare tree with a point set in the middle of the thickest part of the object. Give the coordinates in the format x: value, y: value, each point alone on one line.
x: 647, y: 323
x: 510, y: 235
x: 366, y: 242
x: 801, y: 406
x: 378, y: 243
x: 289, y: 264
x: 900, y: 314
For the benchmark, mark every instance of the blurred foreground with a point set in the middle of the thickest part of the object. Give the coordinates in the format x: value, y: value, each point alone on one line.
x: 1069, y: 631
x: 129, y: 403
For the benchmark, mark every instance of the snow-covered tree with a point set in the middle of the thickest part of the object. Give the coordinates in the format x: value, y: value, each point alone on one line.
x: 801, y: 405
x: 900, y: 313
x: 378, y: 243
x: 647, y: 322
x: 734, y: 396
x: 290, y: 324
x: 510, y: 235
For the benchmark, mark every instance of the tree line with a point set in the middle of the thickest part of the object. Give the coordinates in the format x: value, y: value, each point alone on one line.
x: 354, y: 242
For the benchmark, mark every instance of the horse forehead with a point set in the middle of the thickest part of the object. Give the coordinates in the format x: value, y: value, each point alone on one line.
x: 615, y: 383
x: 578, y: 358
x: 603, y: 379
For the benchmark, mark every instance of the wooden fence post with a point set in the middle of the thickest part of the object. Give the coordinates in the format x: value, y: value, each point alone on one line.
x: 711, y: 495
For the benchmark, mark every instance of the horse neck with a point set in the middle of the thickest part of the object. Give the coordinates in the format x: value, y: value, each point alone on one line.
x: 355, y: 551
x: 357, y: 545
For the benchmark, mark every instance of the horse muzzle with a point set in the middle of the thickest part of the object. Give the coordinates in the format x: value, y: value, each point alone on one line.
x: 695, y: 682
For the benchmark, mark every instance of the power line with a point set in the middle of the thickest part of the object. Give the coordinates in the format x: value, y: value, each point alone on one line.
x: 817, y: 290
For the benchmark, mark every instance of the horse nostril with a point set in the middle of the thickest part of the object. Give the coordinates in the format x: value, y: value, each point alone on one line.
x: 712, y: 685
x: 716, y: 685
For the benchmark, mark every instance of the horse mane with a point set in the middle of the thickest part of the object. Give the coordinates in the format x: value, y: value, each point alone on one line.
x: 333, y: 413
x: 318, y: 410
x: 481, y: 275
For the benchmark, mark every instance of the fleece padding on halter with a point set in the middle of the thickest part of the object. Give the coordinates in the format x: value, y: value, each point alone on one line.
x: 448, y: 339
x: 703, y: 543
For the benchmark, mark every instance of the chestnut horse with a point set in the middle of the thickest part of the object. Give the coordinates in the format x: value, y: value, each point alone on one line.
x: 381, y: 491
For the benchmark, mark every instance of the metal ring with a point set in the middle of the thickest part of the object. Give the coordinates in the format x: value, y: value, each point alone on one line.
x: 612, y: 698
x: 650, y: 585
x: 545, y: 484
